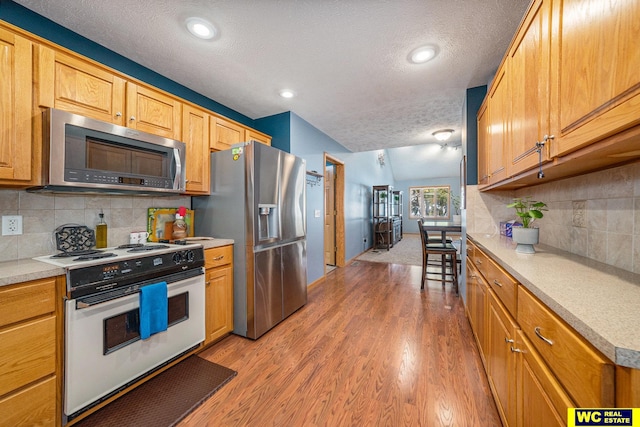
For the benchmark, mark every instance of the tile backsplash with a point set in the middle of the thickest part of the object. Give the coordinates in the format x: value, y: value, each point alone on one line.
x: 42, y: 213
x: 595, y: 215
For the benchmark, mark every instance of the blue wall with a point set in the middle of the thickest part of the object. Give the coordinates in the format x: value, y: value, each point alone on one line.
x: 36, y: 24
x: 475, y: 96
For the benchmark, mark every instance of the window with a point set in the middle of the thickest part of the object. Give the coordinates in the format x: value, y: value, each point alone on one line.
x: 429, y: 202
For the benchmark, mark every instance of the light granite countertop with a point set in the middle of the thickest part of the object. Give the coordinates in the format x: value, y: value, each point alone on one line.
x: 599, y: 301
x: 24, y: 270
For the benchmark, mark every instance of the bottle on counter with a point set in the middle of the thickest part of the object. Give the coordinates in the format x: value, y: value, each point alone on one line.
x: 179, y: 225
x: 101, y: 232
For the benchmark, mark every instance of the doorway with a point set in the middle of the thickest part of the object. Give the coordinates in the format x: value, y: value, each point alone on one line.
x: 334, y: 252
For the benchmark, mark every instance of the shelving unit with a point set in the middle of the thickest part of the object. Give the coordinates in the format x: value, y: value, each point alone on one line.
x: 396, y: 214
x: 382, y: 217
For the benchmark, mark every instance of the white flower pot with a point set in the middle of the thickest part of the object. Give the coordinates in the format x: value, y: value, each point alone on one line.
x: 525, y: 239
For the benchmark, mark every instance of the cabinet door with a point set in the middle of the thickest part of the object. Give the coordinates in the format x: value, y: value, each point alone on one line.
x: 224, y: 134
x: 154, y: 112
x: 257, y: 136
x: 15, y: 108
x: 195, y: 125
x: 76, y: 86
x: 595, y: 52
x: 499, y: 104
x: 477, y: 300
x: 541, y: 399
x: 529, y: 80
x: 484, y: 137
x: 219, y: 303
x: 501, y: 360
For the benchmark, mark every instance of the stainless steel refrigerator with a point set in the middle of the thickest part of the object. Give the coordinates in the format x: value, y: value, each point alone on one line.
x: 258, y: 199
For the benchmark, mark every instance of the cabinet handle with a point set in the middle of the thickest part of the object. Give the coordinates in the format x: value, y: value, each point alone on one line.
x: 515, y: 350
x: 542, y: 337
x: 132, y: 118
x: 507, y: 340
x: 479, y: 262
x: 118, y: 114
x: 207, y: 283
x: 495, y: 282
x: 218, y: 258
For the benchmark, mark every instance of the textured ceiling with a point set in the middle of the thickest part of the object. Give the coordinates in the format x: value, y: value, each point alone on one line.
x: 345, y: 59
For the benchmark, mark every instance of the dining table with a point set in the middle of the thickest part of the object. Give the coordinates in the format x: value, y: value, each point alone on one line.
x: 443, y: 227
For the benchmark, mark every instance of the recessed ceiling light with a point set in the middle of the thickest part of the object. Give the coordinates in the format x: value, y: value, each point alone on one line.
x: 286, y: 93
x: 201, y: 28
x: 443, y: 134
x: 422, y: 54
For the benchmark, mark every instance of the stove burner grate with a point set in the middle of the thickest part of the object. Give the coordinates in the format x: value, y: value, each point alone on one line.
x: 95, y: 256
x: 76, y: 253
x: 147, y: 248
x: 130, y: 246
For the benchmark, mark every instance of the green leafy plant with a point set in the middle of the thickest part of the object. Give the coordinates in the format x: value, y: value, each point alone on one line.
x: 528, y: 210
x: 455, y: 200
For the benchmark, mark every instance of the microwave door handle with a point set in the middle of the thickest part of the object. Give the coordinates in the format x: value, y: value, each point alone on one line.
x: 176, y: 159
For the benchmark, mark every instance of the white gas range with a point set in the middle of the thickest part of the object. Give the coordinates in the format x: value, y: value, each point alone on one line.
x: 104, y: 349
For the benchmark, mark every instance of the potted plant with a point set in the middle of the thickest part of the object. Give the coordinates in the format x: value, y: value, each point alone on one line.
x: 455, y: 201
x: 526, y: 236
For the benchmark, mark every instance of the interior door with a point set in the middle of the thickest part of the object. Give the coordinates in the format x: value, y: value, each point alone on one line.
x: 329, y: 216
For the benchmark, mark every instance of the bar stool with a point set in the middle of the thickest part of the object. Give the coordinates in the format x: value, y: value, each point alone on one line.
x: 448, y: 258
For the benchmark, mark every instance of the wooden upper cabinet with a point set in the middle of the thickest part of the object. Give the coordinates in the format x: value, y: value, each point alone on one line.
x: 595, y: 63
x: 225, y: 133
x: 254, y: 135
x: 151, y: 111
x: 484, y: 136
x: 499, y: 137
x: 195, y: 124
x: 70, y: 84
x: 15, y: 108
x: 529, y: 87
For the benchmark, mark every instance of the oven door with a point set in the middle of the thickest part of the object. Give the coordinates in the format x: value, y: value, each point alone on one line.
x: 103, y: 349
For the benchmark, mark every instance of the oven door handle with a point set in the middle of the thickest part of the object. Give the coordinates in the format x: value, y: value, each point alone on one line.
x: 91, y: 300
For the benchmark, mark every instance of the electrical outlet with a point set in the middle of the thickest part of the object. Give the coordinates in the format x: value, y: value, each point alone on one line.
x: 11, y: 225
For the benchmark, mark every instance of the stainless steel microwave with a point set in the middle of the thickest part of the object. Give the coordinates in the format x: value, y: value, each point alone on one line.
x: 81, y: 154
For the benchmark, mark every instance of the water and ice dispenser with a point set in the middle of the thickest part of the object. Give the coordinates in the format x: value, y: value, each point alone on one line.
x: 267, y: 221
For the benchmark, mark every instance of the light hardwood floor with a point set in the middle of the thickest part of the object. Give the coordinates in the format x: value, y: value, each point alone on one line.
x: 368, y: 349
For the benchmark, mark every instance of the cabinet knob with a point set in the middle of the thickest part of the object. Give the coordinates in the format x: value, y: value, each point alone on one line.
x: 507, y: 340
x: 495, y: 282
x: 515, y: 350
x: 207, y: 283
x: 218, y: 258
x: 118, y: 114
x: 132, y: 118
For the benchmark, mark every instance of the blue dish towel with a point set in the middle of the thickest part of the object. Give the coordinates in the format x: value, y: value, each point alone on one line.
x: 154, y: 309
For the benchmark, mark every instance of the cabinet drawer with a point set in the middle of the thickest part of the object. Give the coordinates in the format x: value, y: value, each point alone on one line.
x: 586, y: 375
x: 35, y: 405
x: 27, y: 353
x: 501, y: 282
x: 25, y: 301
x: 215, y: 257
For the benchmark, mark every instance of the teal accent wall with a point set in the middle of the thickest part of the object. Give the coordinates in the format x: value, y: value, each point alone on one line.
x: 24, y: 18
x: 279, y: 127
x: 475, y: 96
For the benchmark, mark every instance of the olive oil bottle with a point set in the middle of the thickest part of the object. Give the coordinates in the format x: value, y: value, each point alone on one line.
x: 101, y: 232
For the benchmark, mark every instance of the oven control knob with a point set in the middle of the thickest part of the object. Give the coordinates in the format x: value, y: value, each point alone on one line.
x: 177, y: 258
x: 190, y: 256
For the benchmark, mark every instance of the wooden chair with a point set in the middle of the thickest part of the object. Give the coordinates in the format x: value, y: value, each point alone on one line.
x: 448, y: 259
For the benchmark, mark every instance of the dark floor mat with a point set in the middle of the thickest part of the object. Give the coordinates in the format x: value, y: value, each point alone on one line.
x: 165, y: 399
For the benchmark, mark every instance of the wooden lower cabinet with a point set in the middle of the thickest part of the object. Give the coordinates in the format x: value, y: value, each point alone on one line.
x: 218, y: 293
x: 30, y: 353
x: 501, y: 360
x: 541, y: 400
x: 477, y: 308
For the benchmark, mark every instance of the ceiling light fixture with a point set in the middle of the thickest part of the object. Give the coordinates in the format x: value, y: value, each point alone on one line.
x: 422, y: 54
x: 201, y: 28
x: 286, y: 93
x: 443, y: 134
